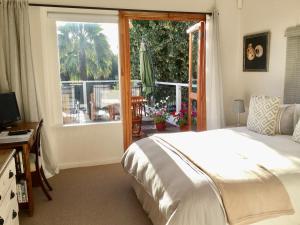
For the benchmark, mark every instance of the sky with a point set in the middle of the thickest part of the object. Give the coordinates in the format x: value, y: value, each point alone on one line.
x: 110, y: 30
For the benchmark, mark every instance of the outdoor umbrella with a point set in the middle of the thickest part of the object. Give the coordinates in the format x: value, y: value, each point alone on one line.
x: 146, y: 71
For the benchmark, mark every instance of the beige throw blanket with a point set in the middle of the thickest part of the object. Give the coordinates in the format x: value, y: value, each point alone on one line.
x: 249, y: 190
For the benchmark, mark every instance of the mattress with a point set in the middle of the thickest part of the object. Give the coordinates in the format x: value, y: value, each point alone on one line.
x: 174, y: 192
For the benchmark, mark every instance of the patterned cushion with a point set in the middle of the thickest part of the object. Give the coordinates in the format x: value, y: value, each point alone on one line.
x: 296, y: 135
x: 285, y: 120
x: 263, y: 111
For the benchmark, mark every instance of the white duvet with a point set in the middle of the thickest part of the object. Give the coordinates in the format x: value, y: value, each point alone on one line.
x: 174, y: 192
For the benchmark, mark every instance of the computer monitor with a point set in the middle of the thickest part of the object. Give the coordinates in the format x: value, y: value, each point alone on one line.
x: 9, y: 111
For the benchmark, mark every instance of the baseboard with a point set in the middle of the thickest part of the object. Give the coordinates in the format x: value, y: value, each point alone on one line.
x: 88, y: 163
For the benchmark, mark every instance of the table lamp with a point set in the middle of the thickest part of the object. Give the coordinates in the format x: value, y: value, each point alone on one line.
x: 238, y: 108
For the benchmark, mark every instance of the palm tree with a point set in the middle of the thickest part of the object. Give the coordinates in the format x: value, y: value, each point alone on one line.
x: 84, y: 52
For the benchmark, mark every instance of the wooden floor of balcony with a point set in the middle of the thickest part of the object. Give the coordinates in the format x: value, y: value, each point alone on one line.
x: 148, y: 129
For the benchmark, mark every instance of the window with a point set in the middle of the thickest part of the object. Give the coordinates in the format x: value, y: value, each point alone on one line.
x: 292, y: 76
x: 89, y: 74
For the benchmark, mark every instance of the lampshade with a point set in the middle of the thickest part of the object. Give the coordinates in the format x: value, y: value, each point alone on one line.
x: 238, y: 106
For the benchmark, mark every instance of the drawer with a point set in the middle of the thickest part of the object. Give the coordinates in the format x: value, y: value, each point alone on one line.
x: 13, y: 217
x: 15, y: 221
x: 9, y: 203
x: 6, y: 179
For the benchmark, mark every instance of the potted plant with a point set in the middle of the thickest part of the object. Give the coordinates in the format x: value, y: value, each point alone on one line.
x: 160, y: 120
x: 181, y: 118
x: 160, y: 114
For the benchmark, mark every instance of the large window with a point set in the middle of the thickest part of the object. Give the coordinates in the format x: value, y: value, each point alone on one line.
x: 88, y: 56
x: 292, y: 74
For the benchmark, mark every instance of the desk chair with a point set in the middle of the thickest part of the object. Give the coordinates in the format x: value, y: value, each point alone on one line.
x: 36, y: 164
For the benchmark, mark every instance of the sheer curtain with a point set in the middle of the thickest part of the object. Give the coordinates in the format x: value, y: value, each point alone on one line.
x: 16, y: 66
x: 214, y: 87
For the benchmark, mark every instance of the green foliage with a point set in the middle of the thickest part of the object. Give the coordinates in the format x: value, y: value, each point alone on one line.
x: 167, y: 43
x: 160, y: 118
x: 85, y: 53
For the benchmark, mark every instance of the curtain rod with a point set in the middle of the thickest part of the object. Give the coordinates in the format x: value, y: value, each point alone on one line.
x: 106, y: 8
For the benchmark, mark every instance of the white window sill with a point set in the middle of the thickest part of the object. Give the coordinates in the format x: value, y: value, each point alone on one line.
x: 90, y: 124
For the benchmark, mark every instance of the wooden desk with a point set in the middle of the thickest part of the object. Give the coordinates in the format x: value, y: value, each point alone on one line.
x: 25, y: 145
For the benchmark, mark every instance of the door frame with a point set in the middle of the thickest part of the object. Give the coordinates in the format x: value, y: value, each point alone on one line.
x: 200, y: 95
x: 124, y: 18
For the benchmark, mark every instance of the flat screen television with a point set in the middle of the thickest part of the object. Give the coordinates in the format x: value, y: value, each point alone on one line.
x: 9, y: 110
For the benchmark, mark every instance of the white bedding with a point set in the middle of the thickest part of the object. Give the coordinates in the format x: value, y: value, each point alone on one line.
x: 182, y: 194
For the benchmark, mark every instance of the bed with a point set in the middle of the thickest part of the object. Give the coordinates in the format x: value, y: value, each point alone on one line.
x: 174, y: 190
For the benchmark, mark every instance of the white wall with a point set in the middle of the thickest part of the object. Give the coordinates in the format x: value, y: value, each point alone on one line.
x: 87, y: 144
x: 274, y: 16
x: 229, y: 17
x: 255, y: 16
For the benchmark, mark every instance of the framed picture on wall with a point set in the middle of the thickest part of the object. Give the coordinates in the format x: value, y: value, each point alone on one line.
x: 256, y: 52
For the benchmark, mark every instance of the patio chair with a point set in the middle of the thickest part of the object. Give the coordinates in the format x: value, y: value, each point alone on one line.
x: 70, y: 105
x: 114, y: 111
x: 137, y: 106
x: 136, y: 90
x: 98, y: 110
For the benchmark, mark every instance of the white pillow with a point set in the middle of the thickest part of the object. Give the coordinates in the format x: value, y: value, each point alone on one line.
x: 263, y: 112
x: 296, y: 135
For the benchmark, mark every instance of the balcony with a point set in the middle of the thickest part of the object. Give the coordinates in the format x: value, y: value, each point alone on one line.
x: 92, y: 101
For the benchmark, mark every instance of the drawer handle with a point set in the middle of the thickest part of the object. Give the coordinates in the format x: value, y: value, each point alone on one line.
x: 1, y: 221
x: 12, y: 195
x: 10, y: 174
x: 14, y: 214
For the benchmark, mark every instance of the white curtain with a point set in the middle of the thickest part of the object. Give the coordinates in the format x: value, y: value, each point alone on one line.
x: 16, y: 66
x: 214, y: 87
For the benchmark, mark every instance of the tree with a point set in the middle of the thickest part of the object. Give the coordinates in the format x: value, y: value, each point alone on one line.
x: 114, y: 68
x: 84, y: 52
x: 167, y: 43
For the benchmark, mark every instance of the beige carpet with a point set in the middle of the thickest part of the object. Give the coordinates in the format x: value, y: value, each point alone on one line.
x: 99, y: 195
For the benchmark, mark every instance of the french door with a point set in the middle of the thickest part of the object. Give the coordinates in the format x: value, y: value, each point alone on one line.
x: 197, y: 80
x: 124, y: 18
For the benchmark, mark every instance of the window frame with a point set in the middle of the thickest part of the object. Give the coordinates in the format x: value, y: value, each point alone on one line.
x: 52, y: 78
